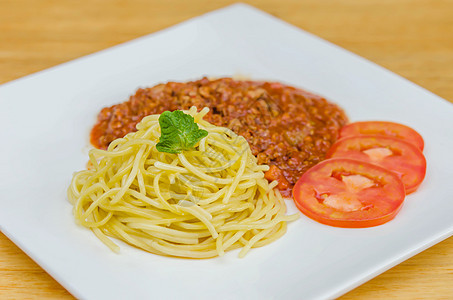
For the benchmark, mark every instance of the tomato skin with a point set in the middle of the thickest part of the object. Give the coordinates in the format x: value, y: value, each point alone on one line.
x: 383, y: 128
x: 381, y: 203
x: 408, y: 161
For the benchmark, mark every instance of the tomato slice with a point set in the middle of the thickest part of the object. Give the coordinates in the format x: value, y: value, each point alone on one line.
x: 383, y: 128
x: 391, y: 153
x: 349, y: 193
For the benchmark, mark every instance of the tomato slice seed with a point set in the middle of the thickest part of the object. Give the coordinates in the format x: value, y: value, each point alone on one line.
x: 343, y: 202
x: 355, y: 183
x: 378, y: 154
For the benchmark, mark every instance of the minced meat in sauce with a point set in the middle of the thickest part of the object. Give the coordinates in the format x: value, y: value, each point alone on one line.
x: 287, y: 128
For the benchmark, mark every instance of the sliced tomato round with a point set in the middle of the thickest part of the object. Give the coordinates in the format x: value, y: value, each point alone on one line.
x: 349, y: 193
x: 383, y: 128
x: 394, y: 154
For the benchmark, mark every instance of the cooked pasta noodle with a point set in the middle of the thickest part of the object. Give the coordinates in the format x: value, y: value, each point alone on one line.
x: 197, y: 204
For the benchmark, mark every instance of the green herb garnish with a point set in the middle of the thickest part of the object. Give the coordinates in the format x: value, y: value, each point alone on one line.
x: 178, y: 132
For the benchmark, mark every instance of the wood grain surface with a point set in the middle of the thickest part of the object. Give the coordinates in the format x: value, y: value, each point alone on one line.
x: 411, y: 38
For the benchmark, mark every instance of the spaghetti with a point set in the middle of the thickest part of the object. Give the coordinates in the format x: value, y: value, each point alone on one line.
x: 196, y: 204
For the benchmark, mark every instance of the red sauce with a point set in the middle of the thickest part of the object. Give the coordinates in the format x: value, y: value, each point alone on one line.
x: 288, y: 128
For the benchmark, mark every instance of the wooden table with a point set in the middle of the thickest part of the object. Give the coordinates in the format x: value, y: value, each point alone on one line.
x: 411, y: 38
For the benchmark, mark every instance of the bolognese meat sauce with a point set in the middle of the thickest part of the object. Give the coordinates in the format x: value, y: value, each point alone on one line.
x: 287, y: 128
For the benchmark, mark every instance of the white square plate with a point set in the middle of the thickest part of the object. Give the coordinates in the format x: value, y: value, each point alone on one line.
x: 46, y: 118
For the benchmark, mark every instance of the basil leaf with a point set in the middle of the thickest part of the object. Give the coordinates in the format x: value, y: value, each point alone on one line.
x: 178, y: 132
